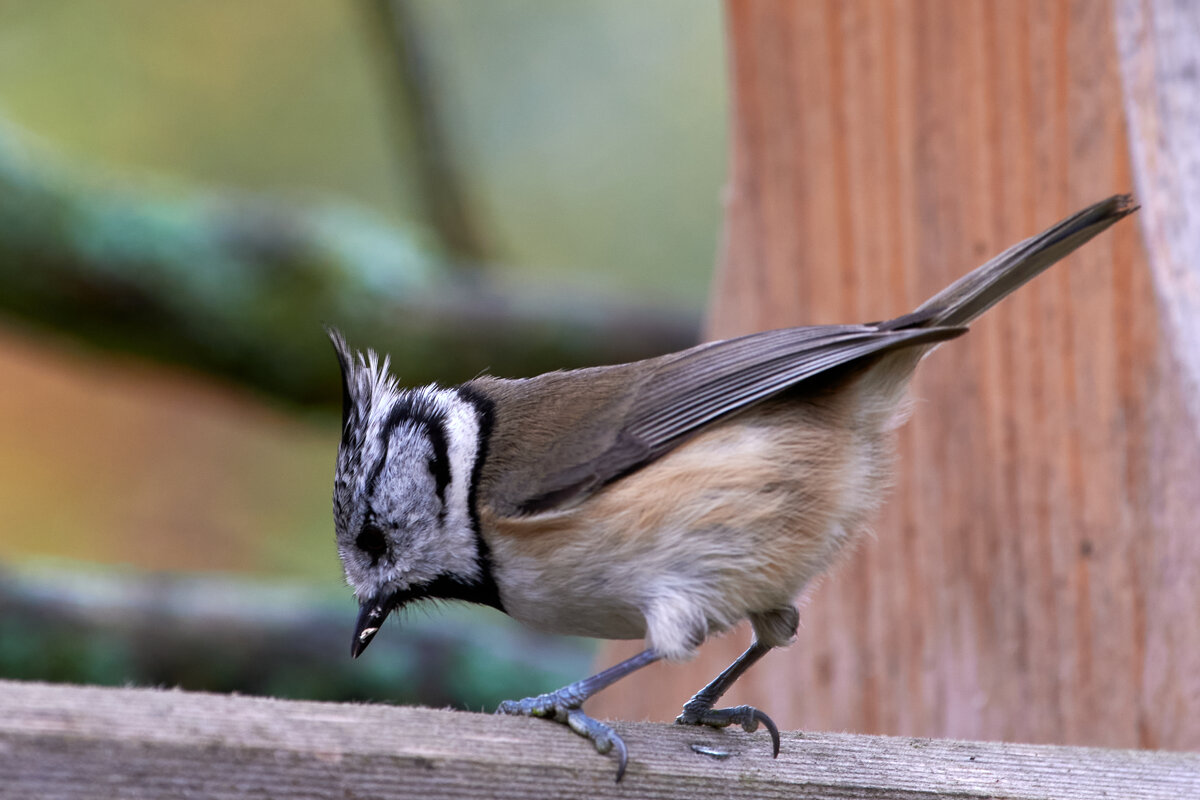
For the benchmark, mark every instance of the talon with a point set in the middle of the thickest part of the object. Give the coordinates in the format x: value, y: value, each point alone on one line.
x: 622, y: 757
x: 769, y: 724
x: 567, y: 711
x: 748, y: 717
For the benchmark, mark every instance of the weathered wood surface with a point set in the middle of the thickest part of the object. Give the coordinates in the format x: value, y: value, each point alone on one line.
x: 1035, y: 575
x: 1159, y: 46
x: 86, y: 742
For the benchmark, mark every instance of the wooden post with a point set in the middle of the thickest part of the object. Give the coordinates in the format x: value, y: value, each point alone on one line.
x: 1036, y: 573
x: 65, y: 742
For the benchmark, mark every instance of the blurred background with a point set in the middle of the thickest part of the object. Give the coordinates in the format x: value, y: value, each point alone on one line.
x: 189, y: 190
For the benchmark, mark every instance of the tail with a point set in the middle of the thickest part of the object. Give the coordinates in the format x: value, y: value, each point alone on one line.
x: 976, y: 292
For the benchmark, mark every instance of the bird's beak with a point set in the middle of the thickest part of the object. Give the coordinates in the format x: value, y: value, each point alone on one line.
x: 371, y: 615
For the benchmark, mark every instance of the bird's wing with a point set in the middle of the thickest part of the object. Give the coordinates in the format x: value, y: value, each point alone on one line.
x: 559, y: 437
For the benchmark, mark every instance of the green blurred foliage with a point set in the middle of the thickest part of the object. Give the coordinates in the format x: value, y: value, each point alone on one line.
x: 268, y: 95
x: 591, y: 133
x: 583, y: 129
x: 594, y: 132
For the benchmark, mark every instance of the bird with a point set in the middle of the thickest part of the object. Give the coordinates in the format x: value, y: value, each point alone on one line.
x: 665, y: 499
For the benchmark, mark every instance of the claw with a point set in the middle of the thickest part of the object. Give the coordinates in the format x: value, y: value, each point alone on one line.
x: 772, y: 728
x: 748, y: 717
x: 565, y: 706
x: 567, y: 711
x: 622, y: 757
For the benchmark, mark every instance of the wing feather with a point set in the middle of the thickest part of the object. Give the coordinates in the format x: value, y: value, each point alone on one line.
x: 709, y: 383
x: 555, y: 456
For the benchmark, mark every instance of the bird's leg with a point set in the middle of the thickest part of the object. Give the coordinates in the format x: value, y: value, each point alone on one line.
x: 699, y: 710
x: 564, y: 706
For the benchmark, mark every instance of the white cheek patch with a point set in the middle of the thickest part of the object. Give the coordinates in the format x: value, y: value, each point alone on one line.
x: 462, y: 445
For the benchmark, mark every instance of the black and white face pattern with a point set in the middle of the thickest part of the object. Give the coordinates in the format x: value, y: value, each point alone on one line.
x: 402, y: 490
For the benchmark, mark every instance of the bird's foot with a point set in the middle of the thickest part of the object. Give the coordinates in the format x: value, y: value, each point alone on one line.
x: 562, y: 706
x: 747, y: 716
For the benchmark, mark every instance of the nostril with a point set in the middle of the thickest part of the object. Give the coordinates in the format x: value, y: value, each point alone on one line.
x: 370, y: 540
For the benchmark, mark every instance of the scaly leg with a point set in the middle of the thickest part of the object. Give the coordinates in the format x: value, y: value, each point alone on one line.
x: 564, y: 706
x: 699, y: 710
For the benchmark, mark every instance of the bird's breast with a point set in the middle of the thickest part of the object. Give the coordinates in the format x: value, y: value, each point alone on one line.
x: 735, y: 521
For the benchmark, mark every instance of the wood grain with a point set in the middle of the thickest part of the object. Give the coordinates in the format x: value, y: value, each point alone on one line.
x: 63, y: 742
x: 1159, y: 46
x: 1035, y: 575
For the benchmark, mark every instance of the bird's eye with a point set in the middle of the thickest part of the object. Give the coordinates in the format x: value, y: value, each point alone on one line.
x: 370, y: 540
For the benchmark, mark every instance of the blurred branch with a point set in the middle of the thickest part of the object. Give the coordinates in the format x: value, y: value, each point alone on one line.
x: 412, y: 100
x: 223, y: 634
x: 239, y: 286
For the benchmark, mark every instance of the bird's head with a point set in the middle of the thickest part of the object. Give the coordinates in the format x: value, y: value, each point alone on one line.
x: 402, y: 493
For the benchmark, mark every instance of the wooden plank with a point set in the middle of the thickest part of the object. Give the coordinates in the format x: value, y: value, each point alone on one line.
x: 1035, y: 574
x: 82, y: 742
x: 1159, y: 46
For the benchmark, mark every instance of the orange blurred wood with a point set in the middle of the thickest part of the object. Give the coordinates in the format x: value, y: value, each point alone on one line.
x: 1035, y: 575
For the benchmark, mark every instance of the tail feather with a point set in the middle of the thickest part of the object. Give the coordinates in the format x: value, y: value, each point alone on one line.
x: 976, y: 292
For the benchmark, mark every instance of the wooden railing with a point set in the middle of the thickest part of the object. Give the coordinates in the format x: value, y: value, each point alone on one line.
x: 88, y: 742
